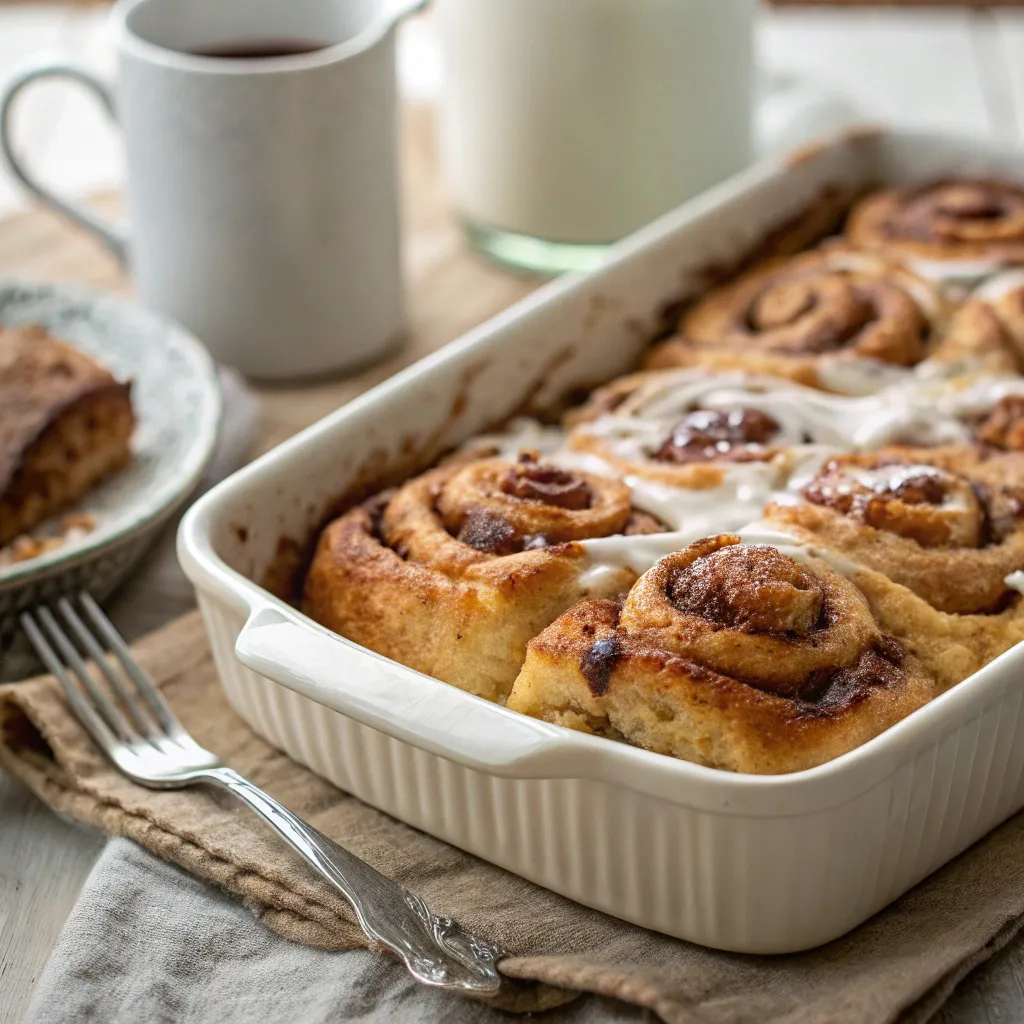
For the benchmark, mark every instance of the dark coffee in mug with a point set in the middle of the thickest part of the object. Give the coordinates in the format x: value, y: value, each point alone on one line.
x: 251, y: 49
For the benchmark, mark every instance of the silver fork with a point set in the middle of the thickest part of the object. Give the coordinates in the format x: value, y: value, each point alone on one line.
x: 138, y: 732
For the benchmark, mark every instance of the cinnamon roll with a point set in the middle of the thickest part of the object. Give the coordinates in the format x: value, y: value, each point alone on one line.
x: 949, y: 229
x: 702, y: 451
x: 65, y: 425
x: 947, y: 523
x: 933, y: 538
x: 999, y: 302
x: 455, y: 571
x: 733, y: 655
x: 832, y: 319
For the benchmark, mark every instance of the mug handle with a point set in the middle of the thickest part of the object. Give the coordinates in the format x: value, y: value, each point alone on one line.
x: 109, y: 235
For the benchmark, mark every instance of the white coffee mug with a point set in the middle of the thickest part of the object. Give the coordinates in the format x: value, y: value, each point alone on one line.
x: 262, y: 191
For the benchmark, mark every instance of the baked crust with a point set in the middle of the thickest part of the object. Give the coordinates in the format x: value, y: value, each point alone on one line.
x: 65, y: 424
x: 730, y: 655
x: 950, y: 645
x: 951, y: 219
x: 454, y: 572
x: 947, y: 523
x: 891, y: 585
x: 806, y: 317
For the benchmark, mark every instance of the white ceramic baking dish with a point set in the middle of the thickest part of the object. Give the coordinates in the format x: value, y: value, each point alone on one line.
x: 745, y: 863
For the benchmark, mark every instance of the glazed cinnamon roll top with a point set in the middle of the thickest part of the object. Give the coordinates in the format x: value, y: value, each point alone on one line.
x: 927, y: 504
x: 660, y: 420
x: 753, y: 613
x: 947, y: 523
x: 719, y: 435
x: 964, y: 220
x: 736, y: 655
x: 457, y: 517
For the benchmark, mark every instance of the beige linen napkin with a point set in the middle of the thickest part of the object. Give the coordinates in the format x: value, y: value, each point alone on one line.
x: 901, y: 965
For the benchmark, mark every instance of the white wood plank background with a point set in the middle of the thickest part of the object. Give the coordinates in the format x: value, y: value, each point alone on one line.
x: 949, y: 69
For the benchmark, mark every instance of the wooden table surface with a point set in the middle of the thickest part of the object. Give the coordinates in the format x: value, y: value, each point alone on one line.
x: 953, y: 69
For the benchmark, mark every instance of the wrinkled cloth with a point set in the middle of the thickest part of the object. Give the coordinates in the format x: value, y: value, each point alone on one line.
x: 148, y: 942
x: 900, y: 965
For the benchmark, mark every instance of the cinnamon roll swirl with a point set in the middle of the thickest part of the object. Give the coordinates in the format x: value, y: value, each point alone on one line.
x: 704, y: 452
x: 934, y: 539
x: 832, y: 319
x: 689, y: 429
x: 949, y: 229
x: 455, y: 571
x: 732, y: 655
x: 946, y: 523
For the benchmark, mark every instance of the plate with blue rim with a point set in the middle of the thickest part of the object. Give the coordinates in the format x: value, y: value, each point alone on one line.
x: 178, y: 406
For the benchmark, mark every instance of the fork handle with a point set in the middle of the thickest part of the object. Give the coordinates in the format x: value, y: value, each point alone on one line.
x: 435, y: 950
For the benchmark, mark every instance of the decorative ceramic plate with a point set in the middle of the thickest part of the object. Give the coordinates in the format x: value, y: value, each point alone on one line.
x: 178, y: 405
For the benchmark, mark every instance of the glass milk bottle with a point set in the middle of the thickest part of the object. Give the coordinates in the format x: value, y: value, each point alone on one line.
x: 566, y: 124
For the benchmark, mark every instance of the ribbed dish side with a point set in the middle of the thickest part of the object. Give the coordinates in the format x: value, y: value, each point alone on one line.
x: 753, y: 884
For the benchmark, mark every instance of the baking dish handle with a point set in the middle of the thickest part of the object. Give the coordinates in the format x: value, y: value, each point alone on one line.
x: 400, y: 702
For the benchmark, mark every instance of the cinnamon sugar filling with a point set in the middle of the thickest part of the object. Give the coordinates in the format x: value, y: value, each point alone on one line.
x: 530, y: 480
x: 932, y: 506
x: 705, y: 435
x: 827, y: 312
x: 753, y: 588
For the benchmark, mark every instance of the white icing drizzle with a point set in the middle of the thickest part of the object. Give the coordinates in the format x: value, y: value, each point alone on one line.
x: 1015, y: 581
x: 919, y: 409
x: 858, y: 375
x: 744, y: 491
x: 802, y: 551
x: 608, y: 556
x: 951, y: 271
x: 1000, y: 284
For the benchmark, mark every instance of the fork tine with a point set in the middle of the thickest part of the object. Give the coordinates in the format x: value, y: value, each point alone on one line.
x: 160, y: 708
x: 114, y: 718
x: 83, y: 710
x: 98, y: 655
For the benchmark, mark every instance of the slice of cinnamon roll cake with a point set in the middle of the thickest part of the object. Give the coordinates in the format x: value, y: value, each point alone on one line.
x: 65, y: 424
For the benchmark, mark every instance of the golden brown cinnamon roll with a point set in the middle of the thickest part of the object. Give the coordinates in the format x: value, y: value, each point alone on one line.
x: 933, y: 538
x: 703, y: 451
x: 947, y: 523
x: 949, y: 228
x: 952, y: 646
x: 832, y: 319
x: 455, y: 571
x: 65, y: 424
x: 731, y: 655
x: 999, y: 303
x: 690, y: 429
